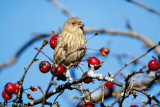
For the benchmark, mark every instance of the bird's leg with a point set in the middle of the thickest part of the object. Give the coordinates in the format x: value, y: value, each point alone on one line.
x: 68, y: 75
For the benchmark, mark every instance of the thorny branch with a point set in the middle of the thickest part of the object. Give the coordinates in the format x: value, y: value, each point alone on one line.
x: 62, y: 60
x: 132, y: 73
x: 127, y: 85
x: 26, y: 69
x: 67, y: 85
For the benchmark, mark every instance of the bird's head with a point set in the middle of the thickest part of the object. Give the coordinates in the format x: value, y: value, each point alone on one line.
x: 73, y: 24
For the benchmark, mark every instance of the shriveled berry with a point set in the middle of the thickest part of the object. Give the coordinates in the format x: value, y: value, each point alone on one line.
x: 53, y: 41
x: 153, y: 65
x: 6, y: 96
x: 94, y: 61
x: 44, y: 66
x: 9, y: 88
x: 109, y: 85
x: 59, y: 71
x: 104, y: 51
x: 86, y: 80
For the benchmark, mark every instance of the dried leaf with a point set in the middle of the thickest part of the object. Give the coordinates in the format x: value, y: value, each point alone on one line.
x: 33, y: 88
x: 86, y: 102
x: 29, y: 96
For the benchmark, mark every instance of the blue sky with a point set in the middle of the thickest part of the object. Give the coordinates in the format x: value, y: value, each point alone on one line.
x: 21, y: 19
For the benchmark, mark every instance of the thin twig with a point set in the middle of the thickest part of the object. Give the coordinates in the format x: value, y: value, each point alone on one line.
x: 144, y: 6
x: 133, y: 34
x: 136, y: 59
x: 103, y: 94
x: 44, y: 54
x: 26, y: 69
x: 127, y: 85
x: 34, y: 59
x: 16, y: 56
x: 117, y: 99
x: 59, y: 5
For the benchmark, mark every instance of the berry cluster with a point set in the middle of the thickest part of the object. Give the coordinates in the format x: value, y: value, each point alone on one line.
x: 45, y: 66
x: 10, y: 89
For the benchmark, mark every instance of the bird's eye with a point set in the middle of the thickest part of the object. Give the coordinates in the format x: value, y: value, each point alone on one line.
x: 73, y: 23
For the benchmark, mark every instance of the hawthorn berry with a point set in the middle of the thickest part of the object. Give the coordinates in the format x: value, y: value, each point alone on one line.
x: 153, y: 65
x: 44, y: 66
x: 89, y: 105
x: 16, y: 86
x: 59, y: 71
x: 87, y: 81
x: 134, y: 106
x: 6, y: 96
x: 94, y: 61
x: 109, y: 85
x: 9, y: 88
x: 53, y: 41
x: 157, y: 74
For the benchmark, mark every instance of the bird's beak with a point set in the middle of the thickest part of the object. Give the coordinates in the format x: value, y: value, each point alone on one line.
x: 81, y: 24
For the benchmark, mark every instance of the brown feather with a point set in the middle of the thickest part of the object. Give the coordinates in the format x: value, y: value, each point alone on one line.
x: 70, y: 39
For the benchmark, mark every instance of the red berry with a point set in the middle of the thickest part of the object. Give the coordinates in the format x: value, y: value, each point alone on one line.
x: 6, y: 96
x: 44, y: 66
x: 153, y: 65
x: 157, y: 74
x: 94, y: 61
x: 53, y: 41
x: 9, y: 88
x: 86, y: 80
x: 109, y: 85
x: 88, y: 105
x: 59, y: 71
x: 16, y: 85
x: 134, y: 106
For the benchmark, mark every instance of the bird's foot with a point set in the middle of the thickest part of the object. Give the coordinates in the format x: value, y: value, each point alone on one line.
x: 68, y: 75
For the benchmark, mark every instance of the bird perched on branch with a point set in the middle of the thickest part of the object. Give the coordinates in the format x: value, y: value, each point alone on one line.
x: 71, y: 44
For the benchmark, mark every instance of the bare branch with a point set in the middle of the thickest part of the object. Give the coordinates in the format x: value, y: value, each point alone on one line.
x: 133, y: 34
x: 14, y: 59
x: 136, y: 59
x: 144, y: 6
x: 59, y: 5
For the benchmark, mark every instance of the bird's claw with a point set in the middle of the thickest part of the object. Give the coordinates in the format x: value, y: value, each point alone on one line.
x: 70, y: 79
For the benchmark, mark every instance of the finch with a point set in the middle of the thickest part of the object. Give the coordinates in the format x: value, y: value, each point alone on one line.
x: 70, y: 40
